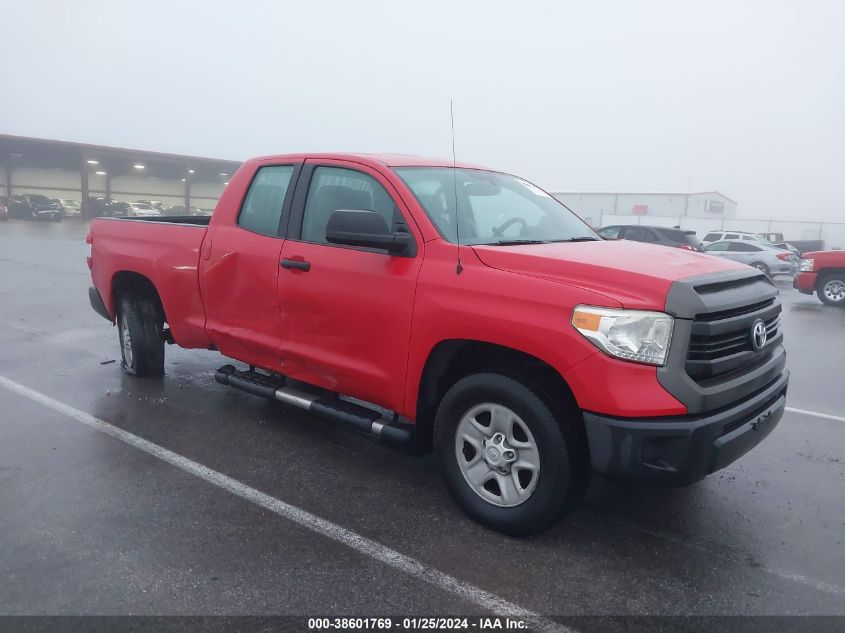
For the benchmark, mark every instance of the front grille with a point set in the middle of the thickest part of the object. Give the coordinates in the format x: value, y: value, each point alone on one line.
x: 725, y: 314
x: 721, y: 346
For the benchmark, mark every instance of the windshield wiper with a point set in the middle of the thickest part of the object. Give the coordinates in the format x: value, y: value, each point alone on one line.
x: 579, y: 239
x: 515, y: 242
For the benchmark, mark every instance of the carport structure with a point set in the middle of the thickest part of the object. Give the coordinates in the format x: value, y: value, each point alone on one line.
x: 80, y: 171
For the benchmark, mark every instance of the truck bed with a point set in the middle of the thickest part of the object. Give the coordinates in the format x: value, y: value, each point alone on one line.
x: 196, y: 220
x: 164, y: 250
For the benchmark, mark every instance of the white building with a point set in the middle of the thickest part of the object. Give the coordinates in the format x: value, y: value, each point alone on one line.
x: 592, y: 206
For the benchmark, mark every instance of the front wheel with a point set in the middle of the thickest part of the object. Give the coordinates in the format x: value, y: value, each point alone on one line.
x: 831, y: 289
x: 508, y: 461
x: 140, y: 328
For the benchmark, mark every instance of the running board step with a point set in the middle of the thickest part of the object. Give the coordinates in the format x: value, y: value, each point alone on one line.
x: 274, y: 388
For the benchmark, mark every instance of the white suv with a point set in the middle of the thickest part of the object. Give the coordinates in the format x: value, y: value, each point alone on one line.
x: 718, y: 236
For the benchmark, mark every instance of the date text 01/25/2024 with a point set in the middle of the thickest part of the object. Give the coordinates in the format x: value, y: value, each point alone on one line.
x: 417, y: 624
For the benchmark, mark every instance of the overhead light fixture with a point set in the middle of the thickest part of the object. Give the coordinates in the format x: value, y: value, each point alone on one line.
x: 139, y: 166
x: 100, y: 173
x: 223, y: 174
x: 93, y: 162
x: 190, y: 171
x: 183, y: 180
x: 226, y: 183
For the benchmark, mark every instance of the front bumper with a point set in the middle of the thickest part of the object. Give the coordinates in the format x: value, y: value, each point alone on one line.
x: 784, y: 269
x: 805, y: 282
x: 684, y: 449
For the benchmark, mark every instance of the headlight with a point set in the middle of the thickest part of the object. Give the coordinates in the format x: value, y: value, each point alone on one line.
x: 806, y: 265
x: 635, y: 335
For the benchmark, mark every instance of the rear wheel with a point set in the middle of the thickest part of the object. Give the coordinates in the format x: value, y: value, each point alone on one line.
x: 831, y: 289
x: 508, y: 460
x: 140, y: 326
x: 761, y: 267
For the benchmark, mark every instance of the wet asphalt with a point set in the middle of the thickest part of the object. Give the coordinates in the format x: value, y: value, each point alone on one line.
x: 90, y: 525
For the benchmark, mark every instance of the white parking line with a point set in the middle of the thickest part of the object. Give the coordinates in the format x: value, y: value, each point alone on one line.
x: 816, y: 414
x: 361, y: 544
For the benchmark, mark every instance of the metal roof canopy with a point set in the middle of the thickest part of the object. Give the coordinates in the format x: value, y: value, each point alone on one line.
x: 23, y: 151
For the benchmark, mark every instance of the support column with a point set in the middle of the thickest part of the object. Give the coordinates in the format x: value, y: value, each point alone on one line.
x: 108, y: 185
x: 187, y: 190
x: 83, y: 188
x: 8, y: 170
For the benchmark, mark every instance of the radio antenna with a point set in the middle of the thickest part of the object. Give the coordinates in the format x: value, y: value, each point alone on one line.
x: 458, y: 268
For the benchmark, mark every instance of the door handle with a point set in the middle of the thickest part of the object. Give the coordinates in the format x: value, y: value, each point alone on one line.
x: 297, y: 264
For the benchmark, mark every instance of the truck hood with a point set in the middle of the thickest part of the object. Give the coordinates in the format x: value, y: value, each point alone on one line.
x: 634, y: 274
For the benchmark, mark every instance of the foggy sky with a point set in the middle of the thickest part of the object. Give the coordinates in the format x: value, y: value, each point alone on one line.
x: 745, y: 97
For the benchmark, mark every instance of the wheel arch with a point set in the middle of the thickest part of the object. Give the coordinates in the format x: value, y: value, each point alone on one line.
x: 452, y: 359
x: 126, y: 281
x: 827, y: 272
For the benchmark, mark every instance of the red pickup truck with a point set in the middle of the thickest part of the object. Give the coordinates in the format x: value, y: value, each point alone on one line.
x: 822, y: 272
x: 462, y: 310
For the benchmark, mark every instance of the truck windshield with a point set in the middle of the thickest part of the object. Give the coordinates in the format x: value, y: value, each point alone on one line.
x: 492, y: 208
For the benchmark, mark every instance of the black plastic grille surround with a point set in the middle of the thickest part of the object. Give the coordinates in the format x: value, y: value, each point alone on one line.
x: 712, y: 362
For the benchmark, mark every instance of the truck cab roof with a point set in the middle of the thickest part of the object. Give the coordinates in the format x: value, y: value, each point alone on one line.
x: 388, y: 160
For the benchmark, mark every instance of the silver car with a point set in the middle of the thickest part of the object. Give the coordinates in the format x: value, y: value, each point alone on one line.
x: 769, y: 259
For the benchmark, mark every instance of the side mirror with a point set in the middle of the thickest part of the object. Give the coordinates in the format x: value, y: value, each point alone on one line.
x: 366, y: 229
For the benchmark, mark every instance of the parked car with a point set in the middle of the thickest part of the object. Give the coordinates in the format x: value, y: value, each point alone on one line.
x: 104, y: 208
x: 70, y: 208
x: 179, y: 209
x: 715, y: 236
x: 157, y: 204
x: 653, y: 235
x: 822, y: 272
x: 4, y: 209
x: 142, y: 210
x: 764, y: 257
x: 526, y: 354
x: 720, y: 235
x: 34, y: 206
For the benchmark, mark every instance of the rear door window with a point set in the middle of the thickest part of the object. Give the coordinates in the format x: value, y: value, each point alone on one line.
x: 712, y: 237
x: 742, y: 247
x: 639, y: 234
x: 610, y: 232
x: 261, y: 211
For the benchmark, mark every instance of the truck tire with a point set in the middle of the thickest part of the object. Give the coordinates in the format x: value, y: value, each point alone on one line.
x: 140, y: 325
x: 831, y: 289
x: 509, y: 462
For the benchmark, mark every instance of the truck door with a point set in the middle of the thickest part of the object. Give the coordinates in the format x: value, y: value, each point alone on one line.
x: 346, y: 311
x: 239, y: 268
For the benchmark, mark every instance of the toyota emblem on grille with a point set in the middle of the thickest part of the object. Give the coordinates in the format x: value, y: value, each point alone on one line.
x: 758, y: 335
